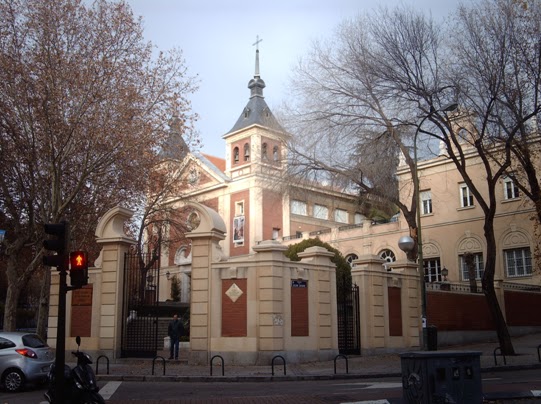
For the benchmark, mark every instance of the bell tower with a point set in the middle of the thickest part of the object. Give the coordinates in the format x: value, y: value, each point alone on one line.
x: 254, y: 150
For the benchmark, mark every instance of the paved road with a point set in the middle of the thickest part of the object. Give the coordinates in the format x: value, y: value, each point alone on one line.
x: 388, y: 390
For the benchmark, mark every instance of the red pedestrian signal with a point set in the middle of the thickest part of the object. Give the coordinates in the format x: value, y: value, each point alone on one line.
x: 78, y: 269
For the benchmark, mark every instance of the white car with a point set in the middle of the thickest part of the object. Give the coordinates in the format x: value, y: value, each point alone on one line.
x: 24, y: 358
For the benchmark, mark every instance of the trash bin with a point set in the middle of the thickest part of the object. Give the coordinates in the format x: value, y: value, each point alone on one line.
x: 432, y: 338
x: 441, y: 377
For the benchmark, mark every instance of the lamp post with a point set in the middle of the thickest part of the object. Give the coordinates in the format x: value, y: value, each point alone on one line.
x: 416, y: 193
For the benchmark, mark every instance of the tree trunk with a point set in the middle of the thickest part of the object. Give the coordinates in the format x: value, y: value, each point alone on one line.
x: 43, y: 314
x: 504, y: 337
x: 10, y: 309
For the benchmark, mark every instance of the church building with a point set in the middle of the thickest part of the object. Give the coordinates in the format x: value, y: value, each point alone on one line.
x: 249, y: 190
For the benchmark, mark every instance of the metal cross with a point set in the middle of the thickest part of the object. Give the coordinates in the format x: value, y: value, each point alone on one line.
x: 256, y: 43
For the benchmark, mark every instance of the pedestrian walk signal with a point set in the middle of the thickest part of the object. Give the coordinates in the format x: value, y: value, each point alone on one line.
x: 78, y: 269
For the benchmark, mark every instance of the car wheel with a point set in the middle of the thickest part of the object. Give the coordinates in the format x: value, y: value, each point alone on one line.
x: 13, y: 380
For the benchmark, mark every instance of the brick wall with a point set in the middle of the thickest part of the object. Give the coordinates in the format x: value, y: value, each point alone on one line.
x: 272, y: 213
x: 299, y: 309
x: 81, y: 312
x: 458, y: 311
x: 395, y: 312
x: 234, y: 314
x: 520, y: 306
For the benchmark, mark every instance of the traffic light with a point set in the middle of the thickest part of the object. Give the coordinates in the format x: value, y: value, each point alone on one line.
x: 78, y: 269
x: 58, y: 244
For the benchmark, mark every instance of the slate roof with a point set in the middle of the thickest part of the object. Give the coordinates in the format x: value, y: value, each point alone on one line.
x: 256, y: 112
x: 211, y: 166
x: 175, y: 148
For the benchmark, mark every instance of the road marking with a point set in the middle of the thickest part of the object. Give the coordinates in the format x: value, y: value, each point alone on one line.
x: 536, y: 393
x: 385, y: 385
x: 374, y: 385
x: 109, y: 389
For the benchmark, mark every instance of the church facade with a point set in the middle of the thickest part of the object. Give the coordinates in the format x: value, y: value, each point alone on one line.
x: 249, y: 191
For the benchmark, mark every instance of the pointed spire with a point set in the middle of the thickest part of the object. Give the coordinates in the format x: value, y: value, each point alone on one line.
x: 256, y: 43
x: 256, y: 85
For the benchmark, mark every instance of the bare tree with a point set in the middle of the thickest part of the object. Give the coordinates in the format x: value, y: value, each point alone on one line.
x: 84, y: 104
x: 390, y: 76
x: 358, y: 104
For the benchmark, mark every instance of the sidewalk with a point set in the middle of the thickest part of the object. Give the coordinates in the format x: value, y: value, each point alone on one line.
x: 357, y: 366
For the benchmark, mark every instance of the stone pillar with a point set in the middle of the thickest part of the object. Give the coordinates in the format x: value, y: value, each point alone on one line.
x: 405, y: 274
x: 110, y: 234
x: 368, y: 273
x: 107, y: 292
x: 209, y: 230
x: 327, y: 318
x: 270, y: 260
x: 373, y: 281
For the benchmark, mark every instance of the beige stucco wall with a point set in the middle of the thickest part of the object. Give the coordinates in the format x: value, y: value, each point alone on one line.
x: 450, y: 230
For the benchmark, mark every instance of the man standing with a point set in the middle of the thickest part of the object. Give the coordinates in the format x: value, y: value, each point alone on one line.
x: 174, y: 331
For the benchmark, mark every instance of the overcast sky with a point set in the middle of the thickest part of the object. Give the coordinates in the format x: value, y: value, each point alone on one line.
x: 216, y: 37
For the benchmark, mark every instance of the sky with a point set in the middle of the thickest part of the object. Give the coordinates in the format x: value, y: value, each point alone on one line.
x: 217, y: 37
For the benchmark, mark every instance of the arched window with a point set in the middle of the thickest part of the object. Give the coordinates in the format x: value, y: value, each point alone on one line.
x: 236, y: 154
x: 350, y: 258
x: 387, y: 255
x: 264, y: 151
x: 246, y: 152
x: 275, y: 154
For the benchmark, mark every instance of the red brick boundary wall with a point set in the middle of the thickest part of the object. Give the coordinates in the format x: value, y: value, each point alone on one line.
x: 234, y: 313
x: 450, y: 311
x: 458, y: 311
x: 299, y: 309
x: 81, y: 312
x: 395, y: 311
x: 522, y: 308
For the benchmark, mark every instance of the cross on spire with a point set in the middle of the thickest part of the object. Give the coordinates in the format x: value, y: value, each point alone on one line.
x: 256, y: 43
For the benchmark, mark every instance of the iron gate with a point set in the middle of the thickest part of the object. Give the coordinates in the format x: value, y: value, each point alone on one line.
x: 140, y: 306
x: 349, y: 324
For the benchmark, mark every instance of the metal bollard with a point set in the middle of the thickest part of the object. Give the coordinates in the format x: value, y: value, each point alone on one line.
x: 283, y: 360
x: 341, y: 356
x: 211, y: 359
x: 154, y: 361
x: 504, y: 359
x: 98, y: 361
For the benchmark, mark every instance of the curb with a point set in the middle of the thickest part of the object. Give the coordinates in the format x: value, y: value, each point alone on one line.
x: 284, y: 378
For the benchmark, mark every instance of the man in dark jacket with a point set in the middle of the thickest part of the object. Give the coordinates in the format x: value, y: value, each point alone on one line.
x: 174, y: 331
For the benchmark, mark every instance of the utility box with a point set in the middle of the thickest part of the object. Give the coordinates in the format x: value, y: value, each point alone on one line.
x: 441, y: 377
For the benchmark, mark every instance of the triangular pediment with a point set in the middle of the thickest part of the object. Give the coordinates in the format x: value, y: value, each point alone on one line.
x: 200, y: 173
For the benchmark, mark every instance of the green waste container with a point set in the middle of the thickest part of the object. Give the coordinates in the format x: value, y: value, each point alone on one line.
x: 441, y: 377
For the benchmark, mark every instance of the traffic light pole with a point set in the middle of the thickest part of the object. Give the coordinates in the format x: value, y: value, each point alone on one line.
x: 79, y: 278
x: 59, y: 386
x: 60, y: 245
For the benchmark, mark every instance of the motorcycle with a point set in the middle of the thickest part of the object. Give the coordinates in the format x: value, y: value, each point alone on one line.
x: 79, y: 383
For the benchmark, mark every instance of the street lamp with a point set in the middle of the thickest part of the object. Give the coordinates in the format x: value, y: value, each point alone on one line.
x: 416, y: 194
